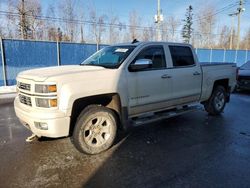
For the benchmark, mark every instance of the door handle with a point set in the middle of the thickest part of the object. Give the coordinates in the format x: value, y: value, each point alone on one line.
x: 166, y: 76
x: 196, y: 73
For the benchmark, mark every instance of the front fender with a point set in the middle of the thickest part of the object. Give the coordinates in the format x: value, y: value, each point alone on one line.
x: 70, y: 93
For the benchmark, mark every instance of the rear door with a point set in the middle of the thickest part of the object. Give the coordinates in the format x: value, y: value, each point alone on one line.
x: 187, y: 75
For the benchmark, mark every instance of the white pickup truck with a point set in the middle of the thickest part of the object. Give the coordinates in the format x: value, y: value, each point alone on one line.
x: 119, y: 86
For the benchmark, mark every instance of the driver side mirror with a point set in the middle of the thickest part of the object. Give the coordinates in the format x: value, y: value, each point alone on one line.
x: 140, y: 64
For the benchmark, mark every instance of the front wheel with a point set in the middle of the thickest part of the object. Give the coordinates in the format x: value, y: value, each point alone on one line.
x: 95, y: 129
x: 216, y: 103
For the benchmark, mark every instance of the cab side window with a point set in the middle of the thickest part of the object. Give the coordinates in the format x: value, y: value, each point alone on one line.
x: 155, y: 54
x: 181, y: 56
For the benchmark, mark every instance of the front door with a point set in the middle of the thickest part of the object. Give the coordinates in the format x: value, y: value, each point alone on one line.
x: 149, y: 88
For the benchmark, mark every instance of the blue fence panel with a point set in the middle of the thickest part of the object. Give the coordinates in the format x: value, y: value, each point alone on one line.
x: 103, y: 46
x: 1, y: 71
x: 217, y: 56
x: 74, y: 54
x: 230, y: 56
x: 241, y: 57
x: 23, y: 55
x: 248, y: 55
x: 203, y: 55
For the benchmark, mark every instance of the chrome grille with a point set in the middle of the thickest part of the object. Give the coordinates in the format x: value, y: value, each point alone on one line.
x: 24, y: 86
x: 25, y: 100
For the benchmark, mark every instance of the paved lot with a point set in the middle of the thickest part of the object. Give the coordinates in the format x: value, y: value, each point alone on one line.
x: 193, y: 150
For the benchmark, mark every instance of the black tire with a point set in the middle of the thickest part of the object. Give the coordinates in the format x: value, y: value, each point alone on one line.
x: 217, y: 101
x: 95, y: 129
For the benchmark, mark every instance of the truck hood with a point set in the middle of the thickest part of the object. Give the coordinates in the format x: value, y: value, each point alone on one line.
x: 42, y: 74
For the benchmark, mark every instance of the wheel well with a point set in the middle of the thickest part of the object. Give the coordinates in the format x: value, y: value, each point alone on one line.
x: 111, y: 101
x: 222, y: 82
x: 225, y: 84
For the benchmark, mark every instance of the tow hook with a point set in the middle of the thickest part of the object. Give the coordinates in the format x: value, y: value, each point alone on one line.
x: 31, y: 138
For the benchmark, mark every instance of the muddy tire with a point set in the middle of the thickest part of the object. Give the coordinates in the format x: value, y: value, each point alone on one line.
x: 95, y: 129
x: 216, y: 103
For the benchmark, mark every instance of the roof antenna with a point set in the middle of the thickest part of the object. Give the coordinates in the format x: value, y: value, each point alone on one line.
x: 135, y: 41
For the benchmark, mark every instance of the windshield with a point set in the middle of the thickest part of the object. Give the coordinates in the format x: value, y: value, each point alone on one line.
x: 109, y: 57
x: 246, y: 65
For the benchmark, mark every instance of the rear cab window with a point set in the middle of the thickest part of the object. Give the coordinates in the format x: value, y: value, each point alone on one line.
x: 182, y: 56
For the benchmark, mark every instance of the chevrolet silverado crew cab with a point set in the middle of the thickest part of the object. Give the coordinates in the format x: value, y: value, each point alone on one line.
x: 119, y: 86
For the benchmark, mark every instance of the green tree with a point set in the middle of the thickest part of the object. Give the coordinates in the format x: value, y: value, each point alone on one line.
x: 188, y: 22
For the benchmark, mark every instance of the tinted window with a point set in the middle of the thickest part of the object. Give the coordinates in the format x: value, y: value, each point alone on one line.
x: 246, y: 65
x: 181, y: 56
x: 154, y: 53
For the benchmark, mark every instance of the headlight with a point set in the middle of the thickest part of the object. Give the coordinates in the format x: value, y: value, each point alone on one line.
x: 46, y: 103
x: 39, y: 88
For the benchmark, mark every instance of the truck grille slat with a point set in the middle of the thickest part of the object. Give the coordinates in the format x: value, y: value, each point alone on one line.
x: 24, y: 86
x: 25, y: 100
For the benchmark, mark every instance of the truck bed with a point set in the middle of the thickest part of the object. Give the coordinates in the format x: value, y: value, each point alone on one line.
x: 216, y: 71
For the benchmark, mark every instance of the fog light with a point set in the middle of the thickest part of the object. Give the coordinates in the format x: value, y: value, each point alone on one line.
x: 46, y: 103
x: 41, y: 125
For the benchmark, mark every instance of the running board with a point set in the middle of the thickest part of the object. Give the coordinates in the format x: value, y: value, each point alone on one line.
x: 157, y: 116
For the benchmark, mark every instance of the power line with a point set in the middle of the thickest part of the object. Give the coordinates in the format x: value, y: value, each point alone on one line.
x: 40, y: 17
x: 76, y: 21
x: 89, y: 22
x: 217, y: 12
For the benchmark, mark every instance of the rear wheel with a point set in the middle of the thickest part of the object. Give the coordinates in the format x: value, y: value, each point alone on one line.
x: 95, y: 129
x: 216, y: 103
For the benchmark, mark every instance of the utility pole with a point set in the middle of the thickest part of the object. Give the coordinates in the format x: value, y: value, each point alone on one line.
x: 240, y: 10
x: 22, y: 24
x: 158, y: 20
x: 82, y: 40
x: 232, y: 28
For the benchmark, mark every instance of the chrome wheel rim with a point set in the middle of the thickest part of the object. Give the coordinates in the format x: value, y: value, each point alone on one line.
x: 219, y: 100
x: 97, y: 131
